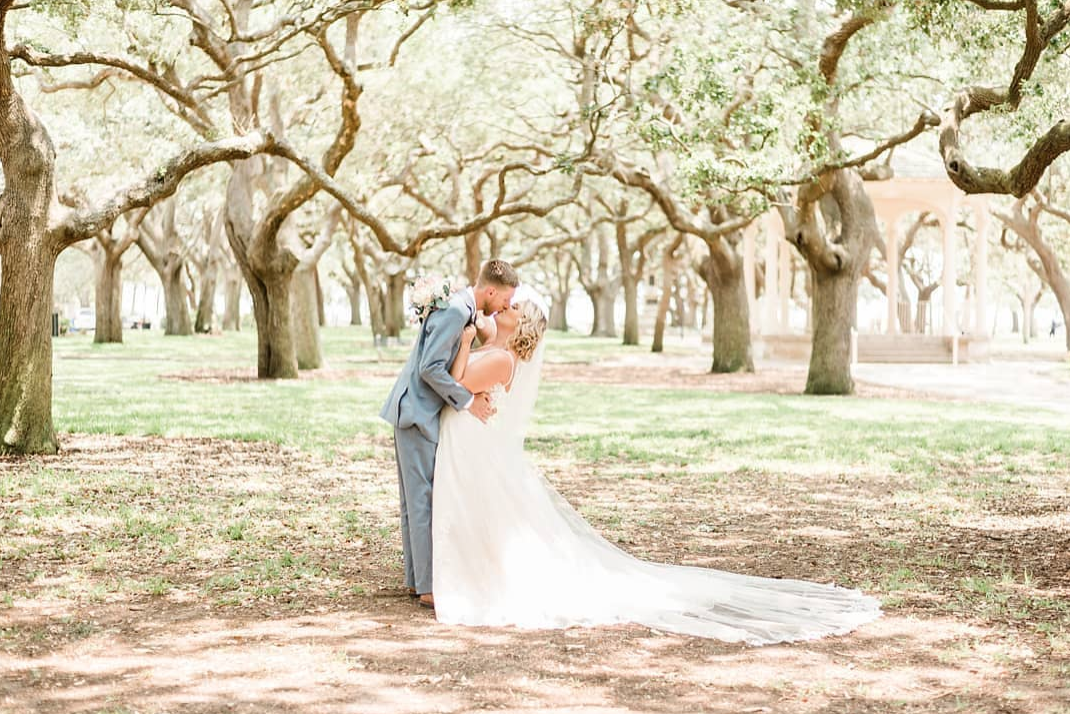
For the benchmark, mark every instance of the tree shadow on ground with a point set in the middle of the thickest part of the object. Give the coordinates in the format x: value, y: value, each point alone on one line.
x: 392, y: 657
x: 942, y: 647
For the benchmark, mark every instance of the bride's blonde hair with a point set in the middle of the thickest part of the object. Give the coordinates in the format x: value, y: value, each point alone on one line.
x: 530, y: 326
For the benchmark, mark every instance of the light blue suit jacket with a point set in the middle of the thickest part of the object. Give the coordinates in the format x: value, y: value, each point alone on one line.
x: 425, y: 385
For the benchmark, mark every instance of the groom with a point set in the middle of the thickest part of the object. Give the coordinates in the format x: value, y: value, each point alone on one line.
x: 423, y: 388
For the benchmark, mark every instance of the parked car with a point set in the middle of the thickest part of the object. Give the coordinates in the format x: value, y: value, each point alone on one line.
x: 84, y: 321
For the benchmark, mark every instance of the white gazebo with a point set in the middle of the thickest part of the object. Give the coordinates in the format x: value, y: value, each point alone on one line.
x: 962, y: 334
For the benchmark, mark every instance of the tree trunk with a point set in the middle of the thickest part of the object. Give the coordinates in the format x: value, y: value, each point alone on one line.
x: 731, y: 326
x: 177, y: 321
x: 603, y: 301
x: 305, y: 316
x: 695, y: 299
x: 600, y: 286
x: 659, y: 321
x: 353, y: 293
x: 679, y: 305
x: 668, y: 279
x: 631, y: 311
x: 906, y: 325
x: 1014, y: 322
x: 1057, y: 280
x: 836, y: 252
x: 561, y: 288
x: 160, y: 245
x: 232, y: 301
x: 28, y: 259
x: 374, y: 290
x: 376, y: 310
x: 1062, y: 295
x: 558, y: 313
x: 109, y: 296
x: 1029, y: 319
x: 321, y: 308
x: 473, y: 257
x: 835, y: 305
x: 206, y: 302
x: 394, y: 307
x: 596, y: 307
x: 276, y: 354
x: 268, y: 277
x: 722, y: 272
x: 25, y: 334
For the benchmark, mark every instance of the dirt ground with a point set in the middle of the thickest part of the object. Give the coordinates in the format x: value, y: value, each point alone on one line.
x: 369, y: 649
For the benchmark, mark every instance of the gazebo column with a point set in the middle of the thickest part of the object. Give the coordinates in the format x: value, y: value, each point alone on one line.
x: 785, y: 287
x: 980, y: 269
x: 892, y: 260
x: 950, y: 276
x: 774, y: 236
x: 748, y: 272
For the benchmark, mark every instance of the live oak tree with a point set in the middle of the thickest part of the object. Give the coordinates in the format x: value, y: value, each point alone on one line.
x: 1026, y: 284
x: 682, y: 124
x: 600, y: 277
x: 830, y: 219
x: 1024, y: 219
x: 670, y: 267
x: 33, y: 231
x: 208, y: 257
x: 108, y: 251
x: 631, y: 255
x: 168, y: 253
x: 722, y: 233
x: 306, y: 302
x: 349, y: 277
x: 232, y: 46
x: 259, y: 229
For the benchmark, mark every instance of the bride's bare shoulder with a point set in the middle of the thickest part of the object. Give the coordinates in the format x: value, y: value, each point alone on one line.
x: 497, y: 358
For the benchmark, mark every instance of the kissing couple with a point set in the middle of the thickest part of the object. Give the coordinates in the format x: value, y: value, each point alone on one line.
x: 504, y: 547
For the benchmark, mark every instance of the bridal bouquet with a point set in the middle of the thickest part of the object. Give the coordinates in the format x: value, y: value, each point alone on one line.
x: 429, y: 293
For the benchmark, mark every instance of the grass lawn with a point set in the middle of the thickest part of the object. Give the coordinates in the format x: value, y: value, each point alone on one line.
x: 207, y: 542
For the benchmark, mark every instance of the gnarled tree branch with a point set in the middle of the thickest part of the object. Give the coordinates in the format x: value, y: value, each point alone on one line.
x: 161, y: 184
x: 1023, y: 177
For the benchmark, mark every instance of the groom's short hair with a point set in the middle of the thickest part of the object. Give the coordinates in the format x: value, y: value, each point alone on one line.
x: 499, y: 273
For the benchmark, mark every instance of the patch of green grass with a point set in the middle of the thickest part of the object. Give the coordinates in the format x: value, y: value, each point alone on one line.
x: 122, y: 389
x: 236, y: 530
x: 128, y: 389
x: 156, y: 586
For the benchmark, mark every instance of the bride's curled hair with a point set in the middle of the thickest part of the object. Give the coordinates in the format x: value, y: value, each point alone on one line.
x: 530, y: 326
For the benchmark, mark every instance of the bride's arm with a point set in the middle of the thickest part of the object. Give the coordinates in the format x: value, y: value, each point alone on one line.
x: 495, y: 368
x: 460, y: 362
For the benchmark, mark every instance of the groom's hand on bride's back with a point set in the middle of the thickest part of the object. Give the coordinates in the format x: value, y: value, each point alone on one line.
x: 481, y: 407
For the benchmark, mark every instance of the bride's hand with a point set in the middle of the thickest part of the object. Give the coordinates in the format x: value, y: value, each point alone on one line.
x: 482, y: 408
x: 468, y: 334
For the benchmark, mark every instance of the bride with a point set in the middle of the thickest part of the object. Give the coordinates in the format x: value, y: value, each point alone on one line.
x: 509, y: 550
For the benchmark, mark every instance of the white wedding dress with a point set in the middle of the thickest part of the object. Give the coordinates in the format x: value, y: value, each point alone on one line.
x: 509, y: 550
